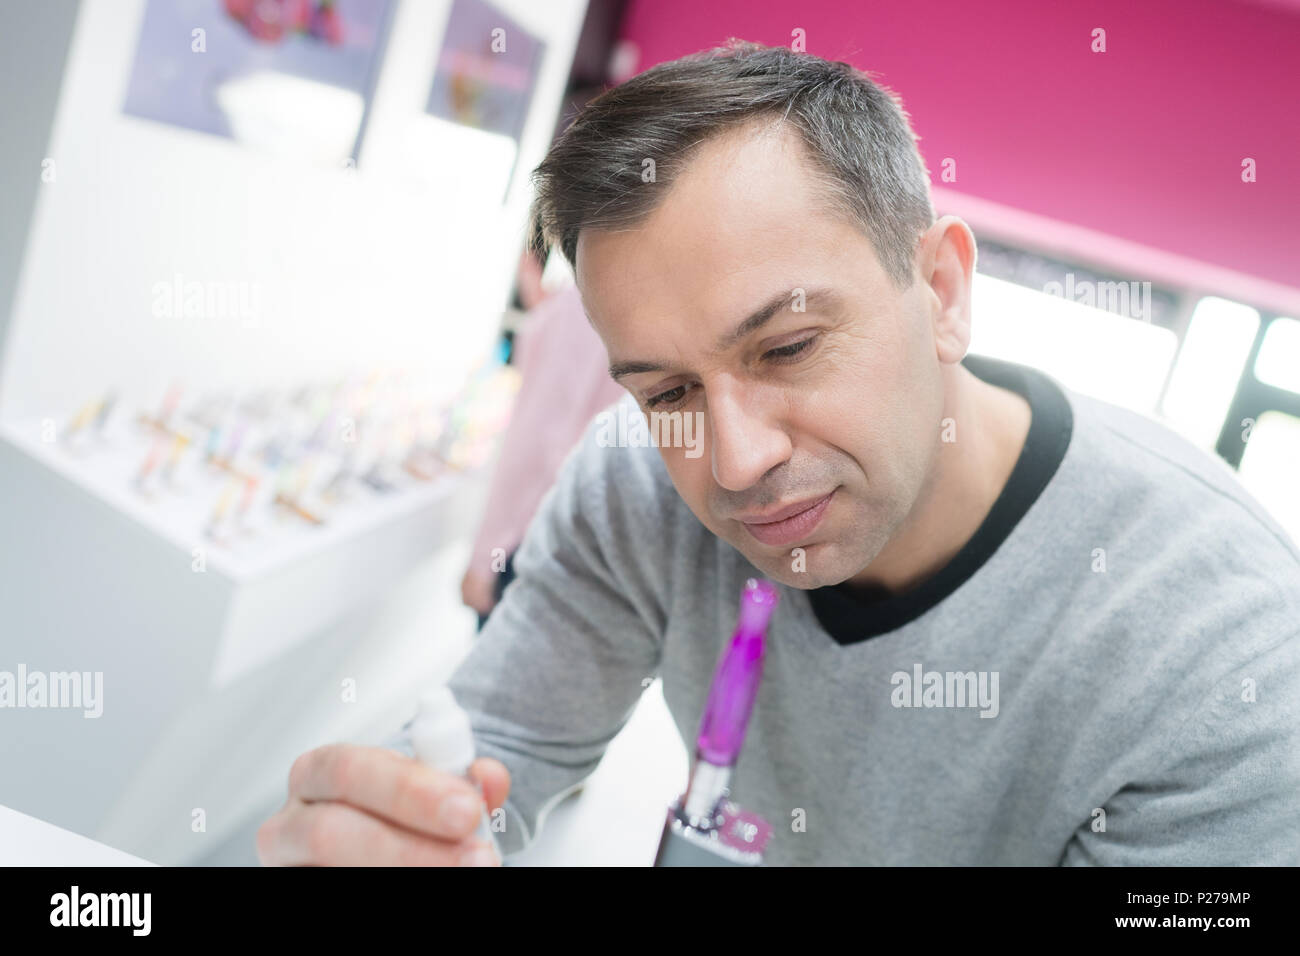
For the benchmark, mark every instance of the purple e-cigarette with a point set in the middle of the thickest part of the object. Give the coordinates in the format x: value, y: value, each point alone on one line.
x: 704, y: 828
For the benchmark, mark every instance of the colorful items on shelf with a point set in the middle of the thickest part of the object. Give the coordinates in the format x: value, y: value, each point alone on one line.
x: 304, y: 454
x: 92, y: 414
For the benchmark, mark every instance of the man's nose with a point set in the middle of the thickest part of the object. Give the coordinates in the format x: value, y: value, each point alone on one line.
x: 746, y: 439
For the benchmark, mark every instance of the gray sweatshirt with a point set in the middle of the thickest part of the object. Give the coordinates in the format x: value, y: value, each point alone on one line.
x: 1107, y: 673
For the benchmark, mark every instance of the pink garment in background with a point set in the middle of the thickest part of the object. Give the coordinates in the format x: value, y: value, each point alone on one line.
x: 565, y: 381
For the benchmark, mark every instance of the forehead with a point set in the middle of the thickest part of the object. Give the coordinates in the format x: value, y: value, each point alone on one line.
x: 746, y: 216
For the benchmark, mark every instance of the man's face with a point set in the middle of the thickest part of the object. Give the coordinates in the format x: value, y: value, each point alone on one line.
x: 821, y: 425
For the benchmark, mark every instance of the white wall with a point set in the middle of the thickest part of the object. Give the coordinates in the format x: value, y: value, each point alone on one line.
x: 406, y: 260
x: 33, y: 51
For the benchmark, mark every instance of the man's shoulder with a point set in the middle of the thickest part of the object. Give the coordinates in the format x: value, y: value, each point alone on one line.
x: 615, y: 504
x: 614, y: 448
x: 620, y: 478
x: 1150, y: 472
x: 1173, y: 580
x: 1187, y: 550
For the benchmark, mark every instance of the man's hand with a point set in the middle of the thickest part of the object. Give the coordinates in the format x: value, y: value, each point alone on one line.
x: 370, y: 806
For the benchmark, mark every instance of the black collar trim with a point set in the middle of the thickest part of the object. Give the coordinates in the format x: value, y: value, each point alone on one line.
x: 851, y: 615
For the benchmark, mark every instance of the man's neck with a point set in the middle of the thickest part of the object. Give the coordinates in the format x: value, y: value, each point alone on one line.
x: 966, y: 476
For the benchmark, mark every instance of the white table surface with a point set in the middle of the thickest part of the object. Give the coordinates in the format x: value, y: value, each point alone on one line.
x: 27, y: 841
x: 617, y: 817
x: 615, y: 820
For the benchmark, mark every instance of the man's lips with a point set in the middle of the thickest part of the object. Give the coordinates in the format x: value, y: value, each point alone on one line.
x: 789, y: 524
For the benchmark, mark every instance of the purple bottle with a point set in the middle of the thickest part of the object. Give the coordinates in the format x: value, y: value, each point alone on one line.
x: 704, y: 828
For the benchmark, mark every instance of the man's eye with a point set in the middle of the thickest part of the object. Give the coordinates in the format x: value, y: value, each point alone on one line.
x: 789, y: 351
x: 667, y: 398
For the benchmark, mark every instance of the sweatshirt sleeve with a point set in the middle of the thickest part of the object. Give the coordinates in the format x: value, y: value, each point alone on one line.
x: 1226, y: 793
x: 558, y: 669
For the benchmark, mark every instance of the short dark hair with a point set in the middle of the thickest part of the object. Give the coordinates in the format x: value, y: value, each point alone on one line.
x: 856, y: 131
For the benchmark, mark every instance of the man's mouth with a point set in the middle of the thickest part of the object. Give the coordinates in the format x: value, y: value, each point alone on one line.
x: 789, y: 524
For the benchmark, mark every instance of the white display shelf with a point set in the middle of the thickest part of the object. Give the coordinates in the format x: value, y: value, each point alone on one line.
x: 258, y: 603
x: 274, y: 541
x: 31, y: 842
x: 90, y: 583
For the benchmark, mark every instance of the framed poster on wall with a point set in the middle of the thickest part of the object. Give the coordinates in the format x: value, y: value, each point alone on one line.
x: 292, y: 77
x: 486, y: 72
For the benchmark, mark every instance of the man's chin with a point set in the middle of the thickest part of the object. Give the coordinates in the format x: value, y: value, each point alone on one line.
x: 808, y: 567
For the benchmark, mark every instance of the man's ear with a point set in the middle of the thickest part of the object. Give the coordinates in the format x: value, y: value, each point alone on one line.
x: 946, y: 259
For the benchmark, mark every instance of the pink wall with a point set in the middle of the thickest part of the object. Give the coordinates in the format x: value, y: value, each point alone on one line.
x: 1143, y: 142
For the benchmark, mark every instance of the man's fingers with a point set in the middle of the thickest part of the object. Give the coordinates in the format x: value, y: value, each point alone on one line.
x: 390, y: 785
x: 335, y: 834
x: 494, y: 778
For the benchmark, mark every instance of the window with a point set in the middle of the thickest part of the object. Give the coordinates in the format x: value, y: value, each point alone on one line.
x: 1209, y: 366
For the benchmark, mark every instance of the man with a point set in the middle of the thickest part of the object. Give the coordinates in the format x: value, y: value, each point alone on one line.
x: 1017, y: 625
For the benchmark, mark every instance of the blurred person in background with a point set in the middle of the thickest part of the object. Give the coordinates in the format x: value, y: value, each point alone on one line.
x: 564, y: 382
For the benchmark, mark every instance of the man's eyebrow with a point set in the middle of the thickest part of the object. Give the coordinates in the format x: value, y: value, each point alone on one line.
x: 754, y: 321
x: 760, y: 316
x: 620, y: 369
